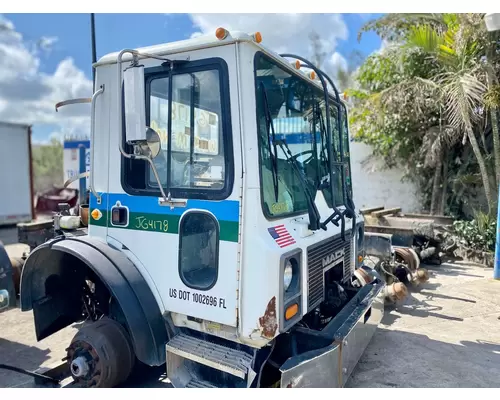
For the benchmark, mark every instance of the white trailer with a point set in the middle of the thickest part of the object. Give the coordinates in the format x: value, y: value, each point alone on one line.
x: 16, y: 174
x: 71, y: 160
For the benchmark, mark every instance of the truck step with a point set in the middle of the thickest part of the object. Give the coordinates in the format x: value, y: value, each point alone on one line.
x: 234, y: 362
x: 197, y: 384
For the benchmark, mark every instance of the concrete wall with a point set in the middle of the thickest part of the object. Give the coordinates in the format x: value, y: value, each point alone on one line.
x: 374, y: 186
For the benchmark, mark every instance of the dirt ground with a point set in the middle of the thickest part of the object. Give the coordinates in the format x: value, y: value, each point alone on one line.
x: 445, y: 334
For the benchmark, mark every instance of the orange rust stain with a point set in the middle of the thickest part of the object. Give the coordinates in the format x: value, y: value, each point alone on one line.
x: 269, y: 322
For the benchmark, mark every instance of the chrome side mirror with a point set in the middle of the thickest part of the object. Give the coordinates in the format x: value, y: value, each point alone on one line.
x: 134, y: 104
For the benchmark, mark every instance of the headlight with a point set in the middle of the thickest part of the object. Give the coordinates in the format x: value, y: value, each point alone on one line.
x: 287, y: 275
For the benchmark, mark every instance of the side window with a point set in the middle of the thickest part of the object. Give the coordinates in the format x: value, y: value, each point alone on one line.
x: 198, y: 250
x: 190, y: 109
x: 337, y: 157
x: 197, y: 156
x: 346, y: 150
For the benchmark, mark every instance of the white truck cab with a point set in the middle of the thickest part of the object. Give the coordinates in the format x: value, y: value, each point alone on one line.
x: 222, y: 239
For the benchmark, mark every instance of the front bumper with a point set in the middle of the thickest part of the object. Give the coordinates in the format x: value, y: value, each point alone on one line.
x: 349, y: 333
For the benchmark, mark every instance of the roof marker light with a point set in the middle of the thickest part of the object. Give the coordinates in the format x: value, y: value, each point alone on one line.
x: 297, y: 64
x: 312, y: 75
x: 257, y: 37
x: 221, y: 33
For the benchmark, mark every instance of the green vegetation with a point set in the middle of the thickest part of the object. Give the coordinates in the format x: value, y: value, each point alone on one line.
x: 428, y: 104
x: 478, y: 234
x: 47, y: 165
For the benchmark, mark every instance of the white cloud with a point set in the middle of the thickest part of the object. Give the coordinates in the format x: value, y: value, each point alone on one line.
x: 45, y: 43
x: 280, y: 32
x: 28, y: 95
x: 337, y: 61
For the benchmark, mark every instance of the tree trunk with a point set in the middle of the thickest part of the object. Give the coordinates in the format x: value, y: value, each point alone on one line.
x: 442, y: 206
x: 482, y: 168
x: 494, y: 131
x: 492, y: 80
x: 436, y: 185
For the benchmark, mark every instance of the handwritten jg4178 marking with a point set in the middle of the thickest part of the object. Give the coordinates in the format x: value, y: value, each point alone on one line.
x: 148, y: 224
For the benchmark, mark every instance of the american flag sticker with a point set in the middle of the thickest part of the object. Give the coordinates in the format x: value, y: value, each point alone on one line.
x: 281, y: 235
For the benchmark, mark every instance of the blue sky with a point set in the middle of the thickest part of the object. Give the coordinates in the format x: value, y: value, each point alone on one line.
x: 69, y: 53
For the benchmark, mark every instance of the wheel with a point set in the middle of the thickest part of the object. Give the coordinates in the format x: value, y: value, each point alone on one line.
x: 101, y: 354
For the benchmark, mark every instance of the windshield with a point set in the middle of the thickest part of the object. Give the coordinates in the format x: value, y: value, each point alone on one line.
x: 297, y: 114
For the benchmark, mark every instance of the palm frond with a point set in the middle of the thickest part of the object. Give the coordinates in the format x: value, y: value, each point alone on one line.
x: 432, y: 147
x: 425, y: 37
x: 395, y: 26
x: 419, y: 87
x: 463, y: 93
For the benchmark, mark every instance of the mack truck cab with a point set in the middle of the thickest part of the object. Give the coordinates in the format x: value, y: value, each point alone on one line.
x: 223, y: 240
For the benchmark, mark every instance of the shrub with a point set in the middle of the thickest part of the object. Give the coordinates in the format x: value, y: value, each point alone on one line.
x: 478, y: 234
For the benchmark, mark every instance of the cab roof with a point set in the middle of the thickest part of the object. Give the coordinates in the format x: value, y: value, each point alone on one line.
x: 195, y: 43
x: 203, y: 42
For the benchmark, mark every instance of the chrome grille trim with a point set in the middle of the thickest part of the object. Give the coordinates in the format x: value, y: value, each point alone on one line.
x: 315, y: 275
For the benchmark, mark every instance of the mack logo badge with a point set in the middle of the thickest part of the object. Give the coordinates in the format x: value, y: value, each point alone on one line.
x: 326, y: 261
x: 96, y: 214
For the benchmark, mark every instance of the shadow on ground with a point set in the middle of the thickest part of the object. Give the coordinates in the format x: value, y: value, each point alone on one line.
x: 21, y: 356
x: 414, y: 360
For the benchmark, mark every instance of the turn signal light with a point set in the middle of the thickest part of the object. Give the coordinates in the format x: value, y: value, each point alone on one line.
x: 221, y: 33
x: 360, y: 259
x: 257, y: 37
x: 291, y: 311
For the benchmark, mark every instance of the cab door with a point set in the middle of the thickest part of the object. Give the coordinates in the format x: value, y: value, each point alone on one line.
x: 188, y: 251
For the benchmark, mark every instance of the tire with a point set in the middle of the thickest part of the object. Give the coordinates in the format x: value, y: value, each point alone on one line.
x: 101, y: 355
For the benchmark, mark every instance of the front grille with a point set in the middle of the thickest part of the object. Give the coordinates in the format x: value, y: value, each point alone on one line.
x: 315, y: 255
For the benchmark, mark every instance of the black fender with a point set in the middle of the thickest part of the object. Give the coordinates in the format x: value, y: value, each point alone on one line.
x: 6, y: 280
x: 46, y: 289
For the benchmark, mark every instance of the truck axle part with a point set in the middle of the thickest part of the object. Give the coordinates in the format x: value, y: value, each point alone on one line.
x: 396, y: 291
x: 101, y: 355
x: 420, y: 276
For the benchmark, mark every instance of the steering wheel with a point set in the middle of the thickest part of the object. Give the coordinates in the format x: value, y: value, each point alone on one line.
x: 295, y: 156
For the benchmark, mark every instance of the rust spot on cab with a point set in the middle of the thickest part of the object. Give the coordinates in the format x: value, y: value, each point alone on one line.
x: 268, y: 322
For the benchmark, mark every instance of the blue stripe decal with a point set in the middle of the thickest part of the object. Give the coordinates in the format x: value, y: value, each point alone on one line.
x: 226, y: 210
x: 76, y: 143
x: 298, y: 138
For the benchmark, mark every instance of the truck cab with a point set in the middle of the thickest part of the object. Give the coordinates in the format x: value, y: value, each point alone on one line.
x: 222, y: 237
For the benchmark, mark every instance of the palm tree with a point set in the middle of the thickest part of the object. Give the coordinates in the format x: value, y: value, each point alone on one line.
x: 455, y: 43
x: 461, y: 84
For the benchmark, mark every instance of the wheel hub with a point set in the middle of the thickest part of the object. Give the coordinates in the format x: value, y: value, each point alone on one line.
x: 100, y: 354
x: 84, y: 363
x: 79, y: 367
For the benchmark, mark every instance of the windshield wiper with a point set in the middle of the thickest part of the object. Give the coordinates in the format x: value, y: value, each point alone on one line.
x: 337, y: 215
x: 274, y: 157
x: 314, y: 217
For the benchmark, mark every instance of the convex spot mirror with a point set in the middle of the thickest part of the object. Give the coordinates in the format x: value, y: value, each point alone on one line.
x: 151, y: 146
x: 153, y: 141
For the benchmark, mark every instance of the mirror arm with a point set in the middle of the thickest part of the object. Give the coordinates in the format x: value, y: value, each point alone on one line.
x: 92, y: 142
x: 72, y: 101
x: 135, y: 55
